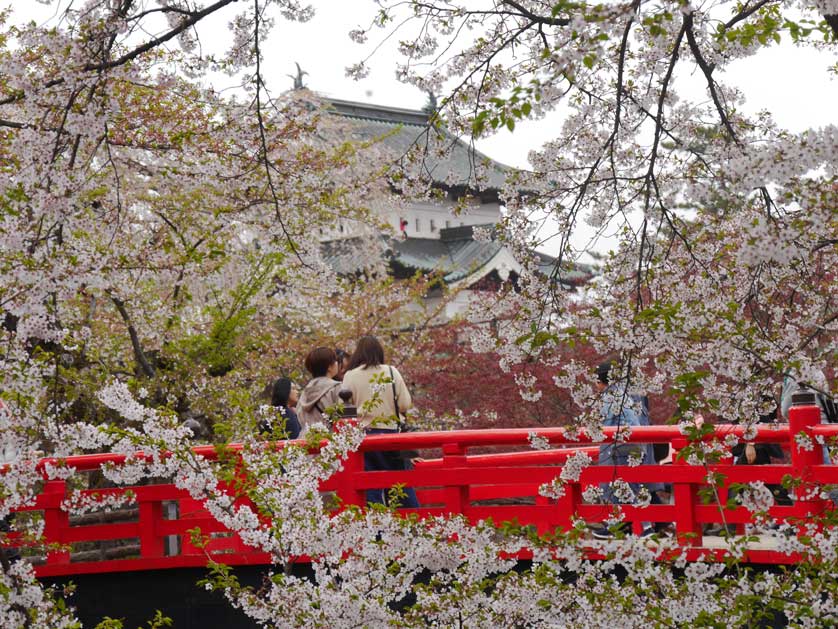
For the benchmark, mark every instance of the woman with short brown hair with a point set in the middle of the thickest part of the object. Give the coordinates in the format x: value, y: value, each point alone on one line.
x: 321, y: 393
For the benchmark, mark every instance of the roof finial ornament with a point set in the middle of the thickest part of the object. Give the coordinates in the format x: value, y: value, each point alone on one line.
x: 298, y: 79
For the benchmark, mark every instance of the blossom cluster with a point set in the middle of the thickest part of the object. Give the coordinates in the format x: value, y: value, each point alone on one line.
x: 152, y: 230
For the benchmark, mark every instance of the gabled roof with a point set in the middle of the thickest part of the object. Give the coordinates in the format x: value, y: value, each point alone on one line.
x: 405, y: 129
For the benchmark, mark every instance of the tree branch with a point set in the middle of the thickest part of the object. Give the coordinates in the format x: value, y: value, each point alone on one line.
x: 819, y: 329
x: 139, y: 354
x: 538, y: 19
x: 189, y: 22
x: 746, y: 13
x: 263, y: 138
x: 194, y: 18
x: 708, y: 69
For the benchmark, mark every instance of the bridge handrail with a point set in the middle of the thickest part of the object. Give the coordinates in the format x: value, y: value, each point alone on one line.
x: 559, y: 436
x: 473, y: 439
x: 475, y: 485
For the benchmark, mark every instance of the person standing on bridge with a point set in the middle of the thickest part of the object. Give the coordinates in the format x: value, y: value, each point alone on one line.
x: 321, y: 393
x: 343, y: 363
x: 284, y: 398
x: 829, y: 408
x: 621, y: 408
x: 382, y: 398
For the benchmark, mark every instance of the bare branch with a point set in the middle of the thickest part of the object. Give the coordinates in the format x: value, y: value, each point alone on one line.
x: 263, y: 138
x: 707, y: 69
x: 139, y: 354
x: 538, y: 19
x: 189, y: 22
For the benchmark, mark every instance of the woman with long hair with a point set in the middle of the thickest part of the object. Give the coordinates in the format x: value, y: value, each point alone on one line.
x: 381, y: 396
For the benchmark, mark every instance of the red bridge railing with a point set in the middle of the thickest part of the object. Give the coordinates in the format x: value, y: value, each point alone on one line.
x: 500, y: 485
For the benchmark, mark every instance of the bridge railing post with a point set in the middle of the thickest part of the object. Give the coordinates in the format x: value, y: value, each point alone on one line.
x: 542, y: 524
x: 566, y: 505
x: 685, y: 498
x: 805, y: 453
x: 456, y: 496
x: 345, y: 488
x: 56, y: 520
x: 344, y: 479
x: 152, y: 544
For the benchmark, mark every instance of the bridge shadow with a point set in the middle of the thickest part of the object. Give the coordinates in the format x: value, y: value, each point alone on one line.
x: 134, y: 597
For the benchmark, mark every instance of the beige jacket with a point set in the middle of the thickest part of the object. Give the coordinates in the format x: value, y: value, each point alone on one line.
x: 383, y: 413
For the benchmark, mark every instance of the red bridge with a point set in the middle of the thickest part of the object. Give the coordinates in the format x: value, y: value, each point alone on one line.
x: 502, y: 485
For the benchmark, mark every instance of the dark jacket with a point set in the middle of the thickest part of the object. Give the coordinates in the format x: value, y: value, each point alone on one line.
x: 764, y: 451
x: 292, y: 424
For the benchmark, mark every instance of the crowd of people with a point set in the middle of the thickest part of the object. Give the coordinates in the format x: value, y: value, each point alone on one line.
x: 622, y: 407
x: 374, y: 387
x: 379, y: 393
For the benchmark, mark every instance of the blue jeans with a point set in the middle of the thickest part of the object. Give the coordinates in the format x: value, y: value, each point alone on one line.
x: 388, y: 462
x: 618, y: 454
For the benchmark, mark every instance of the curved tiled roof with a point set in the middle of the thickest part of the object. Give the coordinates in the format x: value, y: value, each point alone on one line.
x: 401, y: 130
x: 455, y: 254
x: 455, y: 259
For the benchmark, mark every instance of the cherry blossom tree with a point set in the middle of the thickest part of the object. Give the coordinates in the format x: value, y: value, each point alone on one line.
x: 722, y: 275
x: 169, y: 234
x: 158, y: 237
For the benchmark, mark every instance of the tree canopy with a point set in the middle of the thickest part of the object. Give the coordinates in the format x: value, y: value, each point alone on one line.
x: 726, y: 222
x: 159, y: 255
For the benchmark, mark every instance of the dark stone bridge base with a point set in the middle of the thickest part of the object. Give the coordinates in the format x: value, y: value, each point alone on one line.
x: 134, y: 596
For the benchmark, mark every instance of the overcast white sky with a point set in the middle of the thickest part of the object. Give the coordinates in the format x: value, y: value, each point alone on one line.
x: 794, y: 84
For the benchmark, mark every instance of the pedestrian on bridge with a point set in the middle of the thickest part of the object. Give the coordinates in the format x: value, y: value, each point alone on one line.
x: 320, y: 395
x: 284, y: 395
x: 829, y: 408
x: 343, y: 363
x: 622, y: 408
x: 382, y: 398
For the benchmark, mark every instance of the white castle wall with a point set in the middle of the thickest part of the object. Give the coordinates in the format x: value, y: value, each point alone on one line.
x: 424, y: 219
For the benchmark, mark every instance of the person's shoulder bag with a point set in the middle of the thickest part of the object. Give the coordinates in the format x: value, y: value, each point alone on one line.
x: 402, y: 423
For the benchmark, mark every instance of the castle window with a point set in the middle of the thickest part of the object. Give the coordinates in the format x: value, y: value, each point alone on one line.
x: 418, y: 228
x: 433, y: 226
x: 447, y: 224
